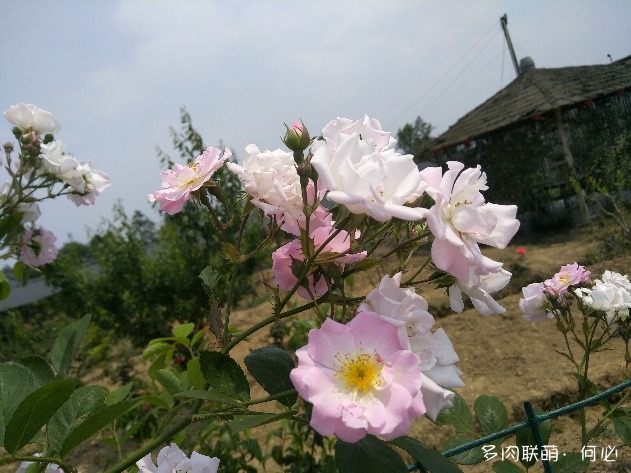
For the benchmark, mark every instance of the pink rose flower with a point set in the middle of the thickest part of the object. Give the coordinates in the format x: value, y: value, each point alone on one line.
x: 38, y: 247
x: 460, y: 219
x: 287, y: 255
x: 569, y: 275
x: 359, y: 379
x: 178, y: 183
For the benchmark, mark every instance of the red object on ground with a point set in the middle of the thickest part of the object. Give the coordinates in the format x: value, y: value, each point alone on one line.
x: 521, y: 250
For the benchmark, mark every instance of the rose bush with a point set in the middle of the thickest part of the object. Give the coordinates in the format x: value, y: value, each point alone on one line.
x: 370, y: 365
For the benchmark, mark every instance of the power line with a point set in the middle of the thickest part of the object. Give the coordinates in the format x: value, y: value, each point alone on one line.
x: 476, y: 73
x: 413, y: 104
x: 458, y: 75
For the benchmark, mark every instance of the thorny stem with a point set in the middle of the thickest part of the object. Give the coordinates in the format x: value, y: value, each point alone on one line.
x: 214, y: 412
x: 203, y: 197
x: 34, y: 459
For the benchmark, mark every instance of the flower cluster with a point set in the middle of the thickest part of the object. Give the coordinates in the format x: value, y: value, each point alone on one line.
x: 173, y: 460
x: 610, y: 295
x: 42, y: 165
x: 389, y: 364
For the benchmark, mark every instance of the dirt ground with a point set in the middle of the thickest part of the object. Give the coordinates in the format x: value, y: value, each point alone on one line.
x: 507, y: 357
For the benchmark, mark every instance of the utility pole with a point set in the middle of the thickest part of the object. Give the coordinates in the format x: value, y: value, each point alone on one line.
x: 504, y: 23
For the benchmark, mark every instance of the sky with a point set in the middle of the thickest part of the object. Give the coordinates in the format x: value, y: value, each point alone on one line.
x: 115, y: 73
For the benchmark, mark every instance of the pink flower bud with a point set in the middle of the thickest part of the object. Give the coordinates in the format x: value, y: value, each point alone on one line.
x: 297, y: 137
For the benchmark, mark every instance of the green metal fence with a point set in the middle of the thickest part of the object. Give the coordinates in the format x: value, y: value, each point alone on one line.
x: 533, y: 421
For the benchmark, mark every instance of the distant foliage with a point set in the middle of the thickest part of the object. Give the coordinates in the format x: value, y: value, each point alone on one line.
x: 413, y: 138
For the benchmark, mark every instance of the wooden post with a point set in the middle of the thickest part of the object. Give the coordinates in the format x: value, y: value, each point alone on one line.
x: 569, y: 159
x: 504, y: 23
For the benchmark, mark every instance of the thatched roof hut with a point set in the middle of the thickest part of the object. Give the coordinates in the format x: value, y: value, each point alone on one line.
x: 537, y: 92
x: 545, y: 133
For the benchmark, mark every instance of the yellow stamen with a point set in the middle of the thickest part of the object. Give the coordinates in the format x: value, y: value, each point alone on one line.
x: 360, y: 372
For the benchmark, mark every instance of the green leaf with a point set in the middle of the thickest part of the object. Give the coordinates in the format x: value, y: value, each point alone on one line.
x: 506, y: 466
x: 194, y: 370
x: 198, y: 336
x: 183, y: 341
x: 34, y: 411
x: 5, y: 289
x: 459, y: 416
x: 169, y: 380
x: 623, y: 428
x: 369, y: 455
x: 570, y: 463
x: 16, y: 382
x: 210, y: 279
x: 469, y: 457
x: 154, y: 349
x: 430, y: 459
x: 19, y: 271
x: 83, y: 402
x: 160, y: 401
x: 10, y: 223
x: 158, y: 364
x: 216, y: 396
x: 247, y: 422
x: 116, y: 396
x: 491, y: 413
x: 93, y: 423
x: 40, y: 369
x: 224, y: 374
x: 271, y: 366
x: 183, y: 330
x: 67, y: 344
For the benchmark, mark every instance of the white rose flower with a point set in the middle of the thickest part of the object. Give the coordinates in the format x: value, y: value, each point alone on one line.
x: 95, y: 183
x: 173, y: 460
x: 368, y: 128
x: 438, y: 358
x: 271, y: 179
x: 435, y: 397
x: 608, y: 297
x: 617, y: 279
x: 534, y: 304
x: 29, y: 117
x: 402, y: 304
x: 62, y: 165
x: 368, y: 180
x: 479, y: 289
x: 434, y: 349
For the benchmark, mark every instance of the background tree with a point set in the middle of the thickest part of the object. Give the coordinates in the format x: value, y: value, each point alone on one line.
x: 413, y: 138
